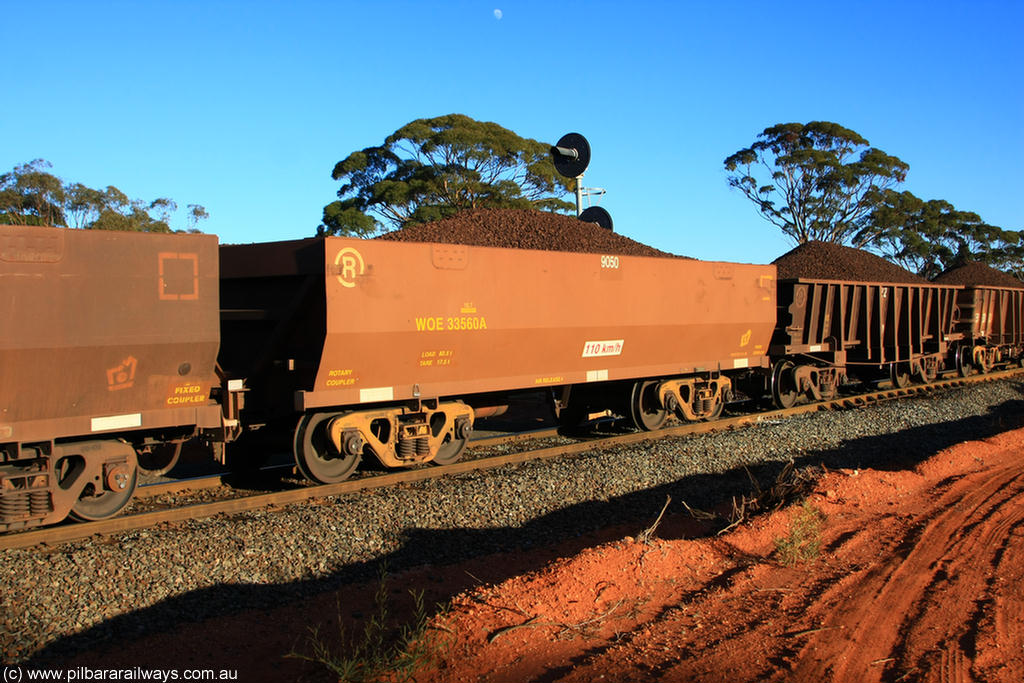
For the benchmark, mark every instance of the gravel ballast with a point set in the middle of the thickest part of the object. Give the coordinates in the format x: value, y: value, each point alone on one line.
x: 60, y: 600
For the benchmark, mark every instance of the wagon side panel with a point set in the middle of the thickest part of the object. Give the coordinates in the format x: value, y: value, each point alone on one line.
x: 105, y: 331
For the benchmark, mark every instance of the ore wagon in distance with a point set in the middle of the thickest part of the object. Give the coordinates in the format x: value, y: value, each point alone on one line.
x: 845, y: 313
x: 991, y: 327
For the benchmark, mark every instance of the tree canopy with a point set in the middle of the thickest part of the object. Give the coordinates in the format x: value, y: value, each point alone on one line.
x: 821, y: 181
x: 433, y: 168
x: 815, y: 181
x: 31, y: 195
x: 929, y: 237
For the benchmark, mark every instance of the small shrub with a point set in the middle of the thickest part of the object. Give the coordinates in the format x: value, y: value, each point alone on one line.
x: 804, y: 540
x: 384, y: 651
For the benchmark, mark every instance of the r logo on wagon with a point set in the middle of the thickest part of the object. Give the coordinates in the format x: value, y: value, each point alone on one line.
x: 349, y: 265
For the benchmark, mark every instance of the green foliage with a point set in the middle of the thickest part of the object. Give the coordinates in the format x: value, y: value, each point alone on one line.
x: 31, y: 195
x: 815, y: 181
x: 433, y: 168
x: 384, y: 651
x: 804, y: 540
x: 928, y: 237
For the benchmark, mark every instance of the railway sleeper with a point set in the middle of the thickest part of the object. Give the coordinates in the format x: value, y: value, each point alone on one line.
x: 46, y: 482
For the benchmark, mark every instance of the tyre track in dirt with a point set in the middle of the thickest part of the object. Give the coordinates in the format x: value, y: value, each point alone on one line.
x: 887, y: 626
x: 920, y: 577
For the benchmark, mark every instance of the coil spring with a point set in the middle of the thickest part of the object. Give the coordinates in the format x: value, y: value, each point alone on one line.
x: 14, y: 505
x: 409, y: 447
x: 40, y: 503
x: 706, y: 404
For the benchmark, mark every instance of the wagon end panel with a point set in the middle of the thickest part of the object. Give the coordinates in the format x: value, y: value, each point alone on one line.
x: 273, y: 321
x: 105, y: 331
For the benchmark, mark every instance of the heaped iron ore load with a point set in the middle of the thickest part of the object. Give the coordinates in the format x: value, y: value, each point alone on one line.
x: 991, y: 325
x: 978, y: 275
x: 826, y: 261
x: 843, y: 311
x: 391, y: 329
x: 523, y: 229
x: 110, y: 338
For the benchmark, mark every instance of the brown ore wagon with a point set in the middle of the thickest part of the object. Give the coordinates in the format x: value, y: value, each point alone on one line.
x: 393, y: 349
x: 991, y: 327
x: 107, y: 352
x: 828, y: 329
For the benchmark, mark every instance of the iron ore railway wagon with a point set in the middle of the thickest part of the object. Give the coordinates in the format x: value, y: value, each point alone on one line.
x: 394, y: 349
x: 873, y: 331
x: 107, y: 356
x: 990, y: 331
x: 118, y: 347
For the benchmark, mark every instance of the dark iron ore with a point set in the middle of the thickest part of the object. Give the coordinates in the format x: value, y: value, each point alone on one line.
x: 523, y: 229
x: 979, y: 274
x: 827, y: 261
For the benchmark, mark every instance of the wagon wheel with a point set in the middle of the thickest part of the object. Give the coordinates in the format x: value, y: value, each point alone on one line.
x: 92, y: 506
x: 784, y: 389
x: 315, y: 455
x: 645, y: 410
x: 899, y: 373
x: 964, y: 367
x: 159, y: 458
x: 453, y: 445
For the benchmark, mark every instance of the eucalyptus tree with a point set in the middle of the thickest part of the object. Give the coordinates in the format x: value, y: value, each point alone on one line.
x: 31, y: 195
x: 928, y: 237
x: 432, y: 168
x: 815, y: 181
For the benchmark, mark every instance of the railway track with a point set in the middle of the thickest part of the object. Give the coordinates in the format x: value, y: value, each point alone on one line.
x: 75, y: 531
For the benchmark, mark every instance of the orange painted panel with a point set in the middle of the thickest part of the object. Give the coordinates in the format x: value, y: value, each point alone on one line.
x: 408, y: 319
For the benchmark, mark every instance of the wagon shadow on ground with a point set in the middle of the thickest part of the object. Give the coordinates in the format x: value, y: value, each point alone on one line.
x: 463, y: 558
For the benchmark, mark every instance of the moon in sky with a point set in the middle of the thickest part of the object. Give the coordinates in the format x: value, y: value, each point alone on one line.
x: 497, y: 14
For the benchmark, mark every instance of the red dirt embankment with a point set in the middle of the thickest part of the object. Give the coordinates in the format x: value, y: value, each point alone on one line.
x: 920, y: 577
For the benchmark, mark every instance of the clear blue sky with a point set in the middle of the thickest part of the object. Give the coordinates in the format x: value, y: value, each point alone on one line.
x: 244, y: 107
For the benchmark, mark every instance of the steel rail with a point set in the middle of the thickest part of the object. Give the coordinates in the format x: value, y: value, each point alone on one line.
x: 212, y: 481
x: 76, y: 531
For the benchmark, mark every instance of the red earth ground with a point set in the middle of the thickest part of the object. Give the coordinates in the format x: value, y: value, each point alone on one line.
x: 919, y: 577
